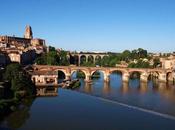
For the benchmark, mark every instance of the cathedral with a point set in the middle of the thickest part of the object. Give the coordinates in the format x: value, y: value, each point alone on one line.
x: 21, y: 49
x: 27, y: 40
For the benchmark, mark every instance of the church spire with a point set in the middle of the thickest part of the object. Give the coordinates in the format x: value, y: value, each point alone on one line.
x: 28, y: 32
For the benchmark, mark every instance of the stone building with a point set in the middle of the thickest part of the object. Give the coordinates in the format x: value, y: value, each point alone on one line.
x: 28, y: 33
x: 21, y: 49
x: 22, y: 57
x: 168, y: 63
x: 15, y: 42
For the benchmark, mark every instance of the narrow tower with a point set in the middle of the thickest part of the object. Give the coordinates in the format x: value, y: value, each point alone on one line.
x: 28, y: 32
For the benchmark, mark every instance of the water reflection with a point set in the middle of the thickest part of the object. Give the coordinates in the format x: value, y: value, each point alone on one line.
x: 143, y: 88
x: 106, y: 88
x: 125, y: 87
x: 18, y: 118
x: 47, y: 91
x: 150, y: 95
x: 88, y: 87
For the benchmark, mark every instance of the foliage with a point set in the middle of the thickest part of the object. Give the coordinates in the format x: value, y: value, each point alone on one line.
x: 63, y: 58
x: 115, y: 58
x: 139, y: 64
x: 53, y: 58
x: 12, y: 70
x: 156, y: 62
x: 20, y: 81
x: 80, y: 74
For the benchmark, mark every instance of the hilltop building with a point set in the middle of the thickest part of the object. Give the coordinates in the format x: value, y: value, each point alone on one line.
x: 21, y: 49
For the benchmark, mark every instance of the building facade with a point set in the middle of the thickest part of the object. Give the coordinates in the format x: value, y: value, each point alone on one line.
x: 21, y: 49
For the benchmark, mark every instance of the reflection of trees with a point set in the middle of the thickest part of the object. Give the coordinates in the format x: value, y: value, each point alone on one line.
x: 19, y: 117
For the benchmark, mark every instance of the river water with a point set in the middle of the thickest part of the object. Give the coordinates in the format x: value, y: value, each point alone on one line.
x: 100, y: 106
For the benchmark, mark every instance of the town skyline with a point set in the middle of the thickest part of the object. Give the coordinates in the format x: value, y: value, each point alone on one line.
x: 95, y: 25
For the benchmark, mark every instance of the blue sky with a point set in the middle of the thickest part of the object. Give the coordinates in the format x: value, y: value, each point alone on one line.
x: 94, y: 25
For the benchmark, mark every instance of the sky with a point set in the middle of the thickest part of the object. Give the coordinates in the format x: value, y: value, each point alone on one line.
x: 93, y: 25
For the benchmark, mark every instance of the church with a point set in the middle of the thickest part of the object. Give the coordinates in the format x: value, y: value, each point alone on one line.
x: 27, y: 40
x: 21, y: 49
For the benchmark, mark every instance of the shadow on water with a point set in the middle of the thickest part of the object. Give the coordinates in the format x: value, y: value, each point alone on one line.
x: 19, y: 117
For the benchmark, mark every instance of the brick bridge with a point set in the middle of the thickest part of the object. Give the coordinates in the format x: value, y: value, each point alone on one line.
x: 87, y: 56
x: 163, y: 75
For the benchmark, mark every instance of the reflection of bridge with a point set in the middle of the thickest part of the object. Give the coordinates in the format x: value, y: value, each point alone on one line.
x: 88, y: 56
x: 162, y: 74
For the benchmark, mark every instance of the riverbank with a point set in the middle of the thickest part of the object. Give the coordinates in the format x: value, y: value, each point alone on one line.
x: 67, y: 111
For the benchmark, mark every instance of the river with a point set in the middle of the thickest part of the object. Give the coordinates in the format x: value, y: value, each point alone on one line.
x: 100, y: 106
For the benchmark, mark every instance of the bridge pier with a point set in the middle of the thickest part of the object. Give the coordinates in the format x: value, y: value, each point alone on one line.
x: 162, y: 77
x: 68, y: 77
x: 88, y: 78
x: 106, y: 77
x: 125, y: 77
x: 56, y: 80
x: 144, y: 77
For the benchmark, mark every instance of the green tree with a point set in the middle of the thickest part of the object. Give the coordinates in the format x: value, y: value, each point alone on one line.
x: 126, y: 55
x: 51, y: 48
x: 139, y: 64
x: 19, y: 80
x: 63, y: 58
x: 12, y: 70
x: 156, y: 62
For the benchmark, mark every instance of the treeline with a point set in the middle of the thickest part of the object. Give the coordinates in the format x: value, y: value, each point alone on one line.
x: 134, y: 59
x: 53, y: 58
x: 115, y: 58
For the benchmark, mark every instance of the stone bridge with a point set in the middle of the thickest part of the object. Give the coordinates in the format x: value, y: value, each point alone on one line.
x: 93, y: 56
x: 163, y: 75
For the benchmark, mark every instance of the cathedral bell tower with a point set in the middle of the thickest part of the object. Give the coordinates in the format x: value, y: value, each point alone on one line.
x: 28, y: 32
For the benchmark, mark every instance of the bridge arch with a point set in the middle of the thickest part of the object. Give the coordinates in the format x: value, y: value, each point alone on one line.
x: 83, y: 59
x: 169, y: 76
x: 139, y: 74
x: 153, y: 75
x: 91, y: 58
x: 98, y: 59
x: 85, y: 72
x: 104, y: 75
x: 61, y: 74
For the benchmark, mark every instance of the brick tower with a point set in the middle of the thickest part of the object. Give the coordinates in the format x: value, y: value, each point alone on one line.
x: 28, y: 32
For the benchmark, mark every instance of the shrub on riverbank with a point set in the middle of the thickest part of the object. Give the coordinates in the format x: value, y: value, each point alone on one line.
x: 20, y: 82
x: 17, y: 85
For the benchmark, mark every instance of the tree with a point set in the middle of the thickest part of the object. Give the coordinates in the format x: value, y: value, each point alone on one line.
x: 156, y: 62
x: 41, y: 60
x: 142, y: 53
x: 139, y: 64
x: 12, y: 71
x: 63, y: 58
x: 19, y: 80
x: 126, y: 55
x: 51, y: 48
